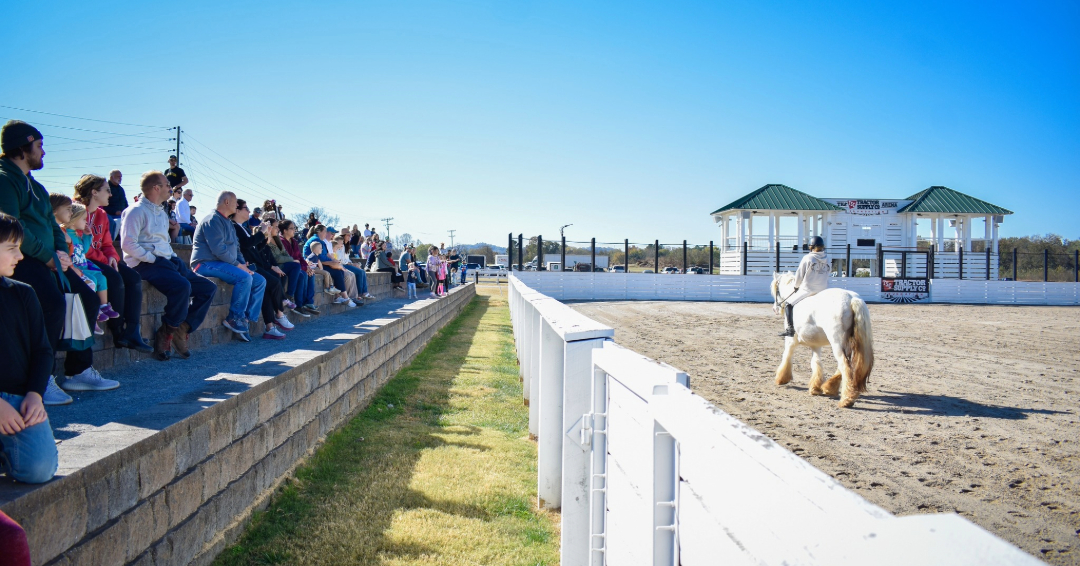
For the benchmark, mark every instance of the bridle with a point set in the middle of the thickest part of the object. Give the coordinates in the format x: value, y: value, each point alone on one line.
x: 781, y: 302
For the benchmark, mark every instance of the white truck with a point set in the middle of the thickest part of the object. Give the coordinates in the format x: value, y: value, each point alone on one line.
x: 553, y: 261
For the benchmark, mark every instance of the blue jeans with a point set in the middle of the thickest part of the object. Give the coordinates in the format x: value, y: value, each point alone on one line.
x: 187, y: 295
x: 361, y: 278
x: 29, y: 455
x: 301, y: 285
x: 186, y: 229
x: 114, y: 226
x: 248, y: 288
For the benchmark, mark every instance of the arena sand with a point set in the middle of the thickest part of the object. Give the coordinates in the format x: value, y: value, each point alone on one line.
x: 971, y: 409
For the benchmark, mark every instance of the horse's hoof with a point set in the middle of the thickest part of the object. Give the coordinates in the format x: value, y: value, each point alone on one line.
x: 783, y: 380
x: 846, y: 403
x: 816, y: 391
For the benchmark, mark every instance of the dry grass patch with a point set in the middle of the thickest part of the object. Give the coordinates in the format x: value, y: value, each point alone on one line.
x: 438, y: 470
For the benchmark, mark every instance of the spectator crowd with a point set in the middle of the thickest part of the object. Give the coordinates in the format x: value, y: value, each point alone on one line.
x: 73, y: 265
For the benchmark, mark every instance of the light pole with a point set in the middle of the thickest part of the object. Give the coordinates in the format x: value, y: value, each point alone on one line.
x: 565, y: 226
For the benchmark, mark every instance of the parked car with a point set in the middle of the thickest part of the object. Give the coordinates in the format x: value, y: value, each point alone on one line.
x: 648, y: 271
x: 585, y: 267
x: 618, y: 269
x: 670, y: 270
x: 600, y: 269
x: 696, y: 271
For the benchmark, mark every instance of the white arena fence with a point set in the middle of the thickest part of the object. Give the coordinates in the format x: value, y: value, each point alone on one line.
x: 570, y: 286
x: 646, y: 472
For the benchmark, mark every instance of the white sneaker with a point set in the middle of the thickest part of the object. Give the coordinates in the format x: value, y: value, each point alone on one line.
x: 369, y: 296
x: 350, y: 304
x: 54, y: 395
x: 332, y: 290
x: 272, y: 333
x: 284, y: 322
x: 341, y: 300
x: 89, y: 380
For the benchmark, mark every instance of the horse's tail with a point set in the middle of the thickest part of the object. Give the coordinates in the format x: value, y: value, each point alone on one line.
x: 861, y: 344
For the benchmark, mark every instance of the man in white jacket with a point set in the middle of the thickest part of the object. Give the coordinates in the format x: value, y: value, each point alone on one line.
x: 811, y: 278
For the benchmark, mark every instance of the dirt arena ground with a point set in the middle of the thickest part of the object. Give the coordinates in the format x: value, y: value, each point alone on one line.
x: 971, y: 409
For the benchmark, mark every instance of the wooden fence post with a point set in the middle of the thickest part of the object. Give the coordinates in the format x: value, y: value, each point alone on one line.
x: 626, y: 256
x: 684, y: 265
x: 846, y: 273
x: 562, y: 255
x: 1014, y: 264
x: 1046, y: 265
x: 656, y: 256
x: 710, y: 257
x: 592, y: 266
x: 539, y: 253
x: 744, y: 246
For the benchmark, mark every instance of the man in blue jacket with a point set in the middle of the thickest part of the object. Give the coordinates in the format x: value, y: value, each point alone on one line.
x: 216, y: 253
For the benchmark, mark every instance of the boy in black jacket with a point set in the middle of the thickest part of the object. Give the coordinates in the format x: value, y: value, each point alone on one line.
x: 27, y: 449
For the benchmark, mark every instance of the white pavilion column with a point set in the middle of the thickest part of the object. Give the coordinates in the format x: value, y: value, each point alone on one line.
x: 939, y: 237
x: 994, y: 234
x: 750, y: 230
x: 987, y: 231
x: 802, y: 231
x: 741, y: 226
x: 772, y: 231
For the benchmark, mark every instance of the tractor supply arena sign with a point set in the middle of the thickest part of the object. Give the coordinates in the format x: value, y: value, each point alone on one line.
x: 905, y: 290
x: 867, y: 207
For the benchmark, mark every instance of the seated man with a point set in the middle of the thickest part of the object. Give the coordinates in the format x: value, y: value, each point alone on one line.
x: 27, y: 449
x: 184, y: 212
x: 144, y: 237
x: 216, y: 253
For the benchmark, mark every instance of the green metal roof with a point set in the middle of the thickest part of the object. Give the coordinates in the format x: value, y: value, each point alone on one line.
x: 778, y: 197
x: 944, y: 199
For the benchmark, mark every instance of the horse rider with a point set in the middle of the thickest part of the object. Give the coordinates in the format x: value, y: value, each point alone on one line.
x: 811, y: 278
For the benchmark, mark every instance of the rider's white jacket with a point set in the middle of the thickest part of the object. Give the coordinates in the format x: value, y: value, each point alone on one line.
x: 813, y: 274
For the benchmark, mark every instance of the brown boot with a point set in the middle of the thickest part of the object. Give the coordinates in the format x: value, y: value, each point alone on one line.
x: 163, y: 342
x: 179, y: 341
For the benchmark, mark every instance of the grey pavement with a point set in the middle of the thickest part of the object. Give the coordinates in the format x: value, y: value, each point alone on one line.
x: 154, y: 395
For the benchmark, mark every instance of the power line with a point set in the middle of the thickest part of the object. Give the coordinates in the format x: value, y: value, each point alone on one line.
x: 107, y: 157
x: 388, y: 225
x: 78, y: 118
x: 81, y: 129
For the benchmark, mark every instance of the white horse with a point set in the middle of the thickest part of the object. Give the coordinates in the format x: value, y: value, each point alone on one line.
x: 836, y: 318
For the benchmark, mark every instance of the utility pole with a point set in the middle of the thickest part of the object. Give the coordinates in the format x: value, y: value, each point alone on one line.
x: 178, y: 146
x: 451, y: 238
x: 388, y: 225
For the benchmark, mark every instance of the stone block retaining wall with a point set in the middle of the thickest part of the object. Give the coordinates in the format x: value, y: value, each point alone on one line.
x: 183, y: 494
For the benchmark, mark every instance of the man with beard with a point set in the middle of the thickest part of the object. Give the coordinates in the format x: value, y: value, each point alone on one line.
x: 45, y: 254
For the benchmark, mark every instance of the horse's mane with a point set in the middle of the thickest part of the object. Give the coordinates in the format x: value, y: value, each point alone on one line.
x: 780, y: 278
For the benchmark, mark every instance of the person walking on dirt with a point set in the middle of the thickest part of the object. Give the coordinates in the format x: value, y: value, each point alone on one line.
x: 811, y: 278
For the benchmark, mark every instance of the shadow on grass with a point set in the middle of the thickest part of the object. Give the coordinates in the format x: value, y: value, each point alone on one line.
x: 344, y: 500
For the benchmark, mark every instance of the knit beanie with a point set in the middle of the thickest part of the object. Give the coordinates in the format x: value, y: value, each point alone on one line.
x: 16, y: 134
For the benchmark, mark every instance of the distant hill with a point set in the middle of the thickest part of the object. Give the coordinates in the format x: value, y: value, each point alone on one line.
x: 470, y: 247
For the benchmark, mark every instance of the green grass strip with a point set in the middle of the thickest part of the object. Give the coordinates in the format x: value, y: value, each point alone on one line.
x: 437, y: 470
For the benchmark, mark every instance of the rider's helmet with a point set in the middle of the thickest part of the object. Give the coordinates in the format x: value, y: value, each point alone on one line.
x: 817, y: 242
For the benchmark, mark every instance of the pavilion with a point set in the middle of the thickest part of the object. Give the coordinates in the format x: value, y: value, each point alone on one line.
x: 774, y: 224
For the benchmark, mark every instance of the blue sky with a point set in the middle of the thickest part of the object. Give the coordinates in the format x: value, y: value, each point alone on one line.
x: 628, y: 120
